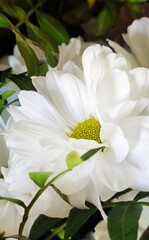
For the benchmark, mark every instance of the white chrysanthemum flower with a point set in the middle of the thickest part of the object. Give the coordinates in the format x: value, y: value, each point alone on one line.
x: 137, y: 38
x: 81, y: 111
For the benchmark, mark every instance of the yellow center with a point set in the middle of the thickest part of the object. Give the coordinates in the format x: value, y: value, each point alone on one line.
x: 89, y: 129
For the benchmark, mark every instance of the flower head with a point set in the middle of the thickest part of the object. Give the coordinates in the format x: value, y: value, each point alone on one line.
x: 79, y: 110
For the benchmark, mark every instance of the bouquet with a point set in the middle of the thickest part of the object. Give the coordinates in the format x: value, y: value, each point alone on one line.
x: 74, y: 124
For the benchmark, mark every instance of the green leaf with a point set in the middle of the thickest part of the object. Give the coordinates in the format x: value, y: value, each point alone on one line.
x: 14, y: 200
x: 104, y: 22
x: 29, y: 56
x: 42, y: 225
x: 136, y: 1
x: 145, y: 235
x: 91, y: 152
x: 12, y: 10
x: 118, y: 194
x: 7, y: 94
x: 52, y: 27
x: 40, y: 178
x: 136, y: 8
x: 43, y: 69
x: 123, y: 221
x: 141, y: 195
x: 4, y: 75
x: 3, y: 22
x: 77, y: 218
x: 62, y: 195
x: 73, y: 160
x: 46, y: 43
x: 23, y: 81
x: 3, y: 99
x: 78, y: 15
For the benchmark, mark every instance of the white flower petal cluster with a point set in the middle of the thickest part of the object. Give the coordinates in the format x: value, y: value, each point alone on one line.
x: 137, y: 38
x: 45, y: 128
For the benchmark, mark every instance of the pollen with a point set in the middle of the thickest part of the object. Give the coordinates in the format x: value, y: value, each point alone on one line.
x: 89, y: 129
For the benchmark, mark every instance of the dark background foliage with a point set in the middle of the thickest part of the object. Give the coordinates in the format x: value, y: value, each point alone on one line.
x: 88, y: 19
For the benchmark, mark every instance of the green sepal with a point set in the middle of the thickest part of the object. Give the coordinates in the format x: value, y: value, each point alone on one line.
x: 40, y: 178
x: 73, y: 159
x: 91, y: 152
x: 14, y: 200
x: 141, y: 195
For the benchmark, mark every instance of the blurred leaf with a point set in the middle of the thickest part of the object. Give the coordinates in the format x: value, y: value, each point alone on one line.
x: 78, y: 15
x: 91, y: 3
x: 14, y: 200
x: 136, y: 1
x: 141, y: 195
x: 52, y: 27
x: 123, y: 221
x: 77, y: 218
x: 3, y: 99
x: 113, y: 7
x: 5, y: 75
x: 12, y: 10
x: 25, y: 4
x: 46, y: 43
x: 3, y: 22
x: 73, y: 159
x: 40, y: 178
x: 43, y: 69
x: 104, y: 22
x: 23, y: 81
x: 28, y: 55
x: 91, y: 152
x: 7, y: 94
x: 145, y: 235
x: 136, y: 8
x: 42, y: 225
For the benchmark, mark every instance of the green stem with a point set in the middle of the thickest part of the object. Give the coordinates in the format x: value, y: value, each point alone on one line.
x: 57, y: 230
x: 37, y: 195
x: 30, y: 13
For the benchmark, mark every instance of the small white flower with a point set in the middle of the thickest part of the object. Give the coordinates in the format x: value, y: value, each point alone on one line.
x: 137, y: 38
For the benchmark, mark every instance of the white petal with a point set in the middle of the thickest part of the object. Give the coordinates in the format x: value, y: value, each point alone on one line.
x: 113, y: 89
x: 66, y: 94
x: 118, y: 144
x: 138, y: 40
x: 137, y: 132
x: 131, y: 60
x: 139, y: 80
x: 101, y: 231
